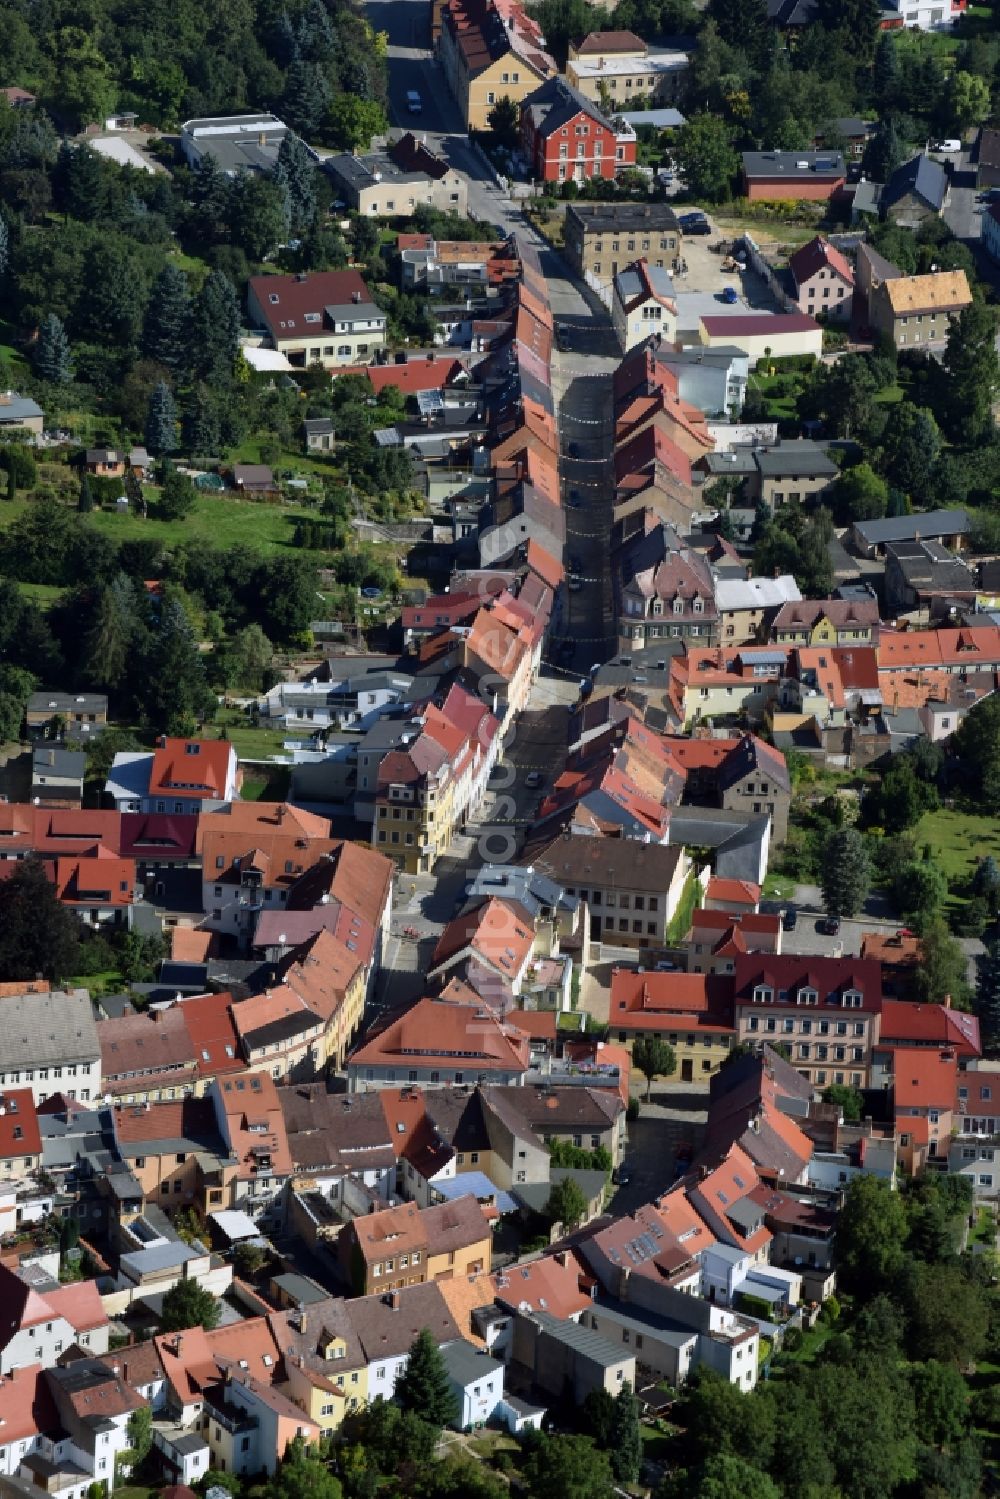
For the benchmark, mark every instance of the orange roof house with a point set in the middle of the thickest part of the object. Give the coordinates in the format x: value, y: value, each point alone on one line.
x: 441, y: 1042
x: 193, y: 770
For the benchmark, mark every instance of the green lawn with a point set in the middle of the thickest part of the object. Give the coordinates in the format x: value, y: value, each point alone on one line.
x: 250, y: 743
x: 890, y: 396
x: 985, y: 1230
x: 681, y: 921
x: 655, y: 1443
x: 270, y: 786
x: 779, y: 887
x: 42, y: 594
x: 958, y: 841
x: 217, y: 522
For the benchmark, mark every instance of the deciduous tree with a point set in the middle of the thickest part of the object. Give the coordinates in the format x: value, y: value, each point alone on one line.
x: 38, y: 935
x: 187, y: 1304
x: 653, y: 1057
x: 703, y: 151
x: 566, y: 1203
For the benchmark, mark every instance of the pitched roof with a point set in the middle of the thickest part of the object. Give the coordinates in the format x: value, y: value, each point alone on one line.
x: 819, y: 255
x: 387, y: 1325
x: 744, y: 891
x: 925, y: 1079
x: 440, y: 1033
x: 941, y: 291
x: 19, y: 1133
x: 921, y: 176
x: 191, y: 768
x: 905, y: 1024
x: 757, y: 324
x: 496, y: 932
x: 284, y: 301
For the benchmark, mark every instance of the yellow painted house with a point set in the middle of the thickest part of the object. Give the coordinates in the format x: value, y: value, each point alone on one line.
x: 490, y: 51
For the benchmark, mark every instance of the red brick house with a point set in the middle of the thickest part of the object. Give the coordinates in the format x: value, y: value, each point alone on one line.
x: 566, y: 137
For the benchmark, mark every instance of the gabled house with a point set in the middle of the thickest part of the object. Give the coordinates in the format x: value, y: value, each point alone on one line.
x: 37, y: 1322
x: 915, y: 192
x: 325, y: 319
x: 180, y: 776
x: 814, y: 622
x: 690, y: 1011
x: 823, y: 280
x: 826, y: 1010
x: 440, y: 1042
x: 643, y: 303
x: 404, y: 1246
x: 490, y: 50
x: 568, y: 138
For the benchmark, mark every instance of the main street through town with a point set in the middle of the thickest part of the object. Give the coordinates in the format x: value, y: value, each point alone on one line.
x: 585, y: 356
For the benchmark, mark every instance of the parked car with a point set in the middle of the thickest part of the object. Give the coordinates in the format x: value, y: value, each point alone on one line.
x: 414, y: 103
x: 696, y: 227
x: 533, y: 778
x: 790, y: 919
x: 949, y: 146
x: 828, y: 925
x: 730, y: 295
x: 621, y: 1176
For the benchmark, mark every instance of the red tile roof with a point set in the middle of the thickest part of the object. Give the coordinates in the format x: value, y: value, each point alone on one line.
x: 437, y: 1033
x: 906, y: 1024
x: 924, y: 1079
x: 19, y: 1133
x: 180, y: 771
x: 210, y: 1026
x: 819, y: 255
x: 432, y: 373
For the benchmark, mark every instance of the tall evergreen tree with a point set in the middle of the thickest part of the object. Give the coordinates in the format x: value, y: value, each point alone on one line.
x: 987, y: 1005
x: 423, y: 1386
x: 210, y: 199
x: 215, y: 330
x: 83, y: 185
x: 166, y: 330
x: 625, y: 1443
x: 295, y: 174
x: 173, y: 689
x: 973, y: 375
x: 258, y: 221
x: 200, y: 422
x: 744, y: 24
x: 4, y: 246
x: 846, y: 876
x: 86, y: 501
x: 885, y: 74
x: 161, y: 421
x: 107, y: 648
x: 307, y: 95
x: 52, y: 358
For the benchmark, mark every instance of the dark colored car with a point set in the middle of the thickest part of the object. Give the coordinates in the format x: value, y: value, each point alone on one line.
x: 828, y: 925
x: 696, y: 227
x: 790, y: 919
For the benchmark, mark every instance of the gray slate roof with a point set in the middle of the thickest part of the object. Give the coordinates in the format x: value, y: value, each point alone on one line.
x: 47, y: 1029
x: 920, y: 176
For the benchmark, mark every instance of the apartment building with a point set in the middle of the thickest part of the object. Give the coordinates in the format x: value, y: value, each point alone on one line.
x: 602, y: 238
x: 827, y: 1011
x: 620, y: 71
x: 490, y: 50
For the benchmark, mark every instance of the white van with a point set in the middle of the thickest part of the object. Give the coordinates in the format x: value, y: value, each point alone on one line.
x: 413, y: 102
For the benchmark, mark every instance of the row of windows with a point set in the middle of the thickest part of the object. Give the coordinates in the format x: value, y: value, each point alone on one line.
x: 804, y: 1028
x: 405, y: 1261
x: 667, y: 242
x: 44, y: 1074
x: 625, y: 902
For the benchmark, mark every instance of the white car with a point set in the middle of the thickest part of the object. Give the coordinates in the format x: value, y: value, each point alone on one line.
x: 948, y: 147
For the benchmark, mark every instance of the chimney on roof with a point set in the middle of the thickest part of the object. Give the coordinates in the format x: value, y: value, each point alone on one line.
x: 355, y: 296
x: 946, y: 1002
x: 395, y: 1300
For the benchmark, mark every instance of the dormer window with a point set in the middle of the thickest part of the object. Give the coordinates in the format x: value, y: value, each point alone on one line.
x: 678, y: 606
x: 852, y: 999
x: 699, y: 607
x: 763, y: 994
x: 806, y: 996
